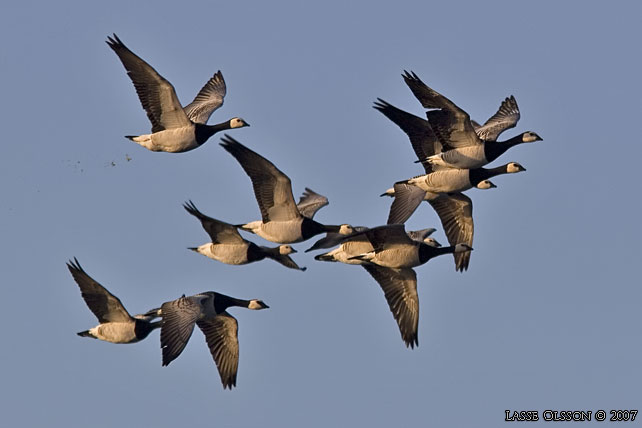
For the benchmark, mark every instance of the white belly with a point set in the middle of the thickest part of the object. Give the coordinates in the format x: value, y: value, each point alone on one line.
x: 352, y: 249
x: 463, y: 157
x: 115, y: 332
x: 404, y: 257
x: 444, y: 181
x: 173, y: 140
x: 228, y: 254
x: 281, y: 232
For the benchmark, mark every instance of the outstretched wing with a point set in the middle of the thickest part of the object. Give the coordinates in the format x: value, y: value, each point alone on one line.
x: 179, y: 317
x: 287, y: 261
x: 101, y: 302
x: 407, y: 199
x: 310, y: 203
x: 506, y: 117
x: 221, y: 335
x: 209, y: 98
x: 388, y: 236
x: 455, y: 210
x: 272, y: 188
x: 156, y: 94
x: 424, y: 141
x: 450, y: 123
x: 420, y: 235
x: 400, y: 288
x: 219, y: 231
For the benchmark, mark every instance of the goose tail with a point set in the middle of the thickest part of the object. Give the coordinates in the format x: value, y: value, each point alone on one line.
x: 325, y: 257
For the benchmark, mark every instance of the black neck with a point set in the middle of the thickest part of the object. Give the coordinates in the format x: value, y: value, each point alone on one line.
x: 255, y: 253
x: 310, y: 228
x: 222, y: 302
x: 494, y: 149
x: 142, y: 328
x: 427, y: 252
x: 480, y: 174
x: 204, y: 132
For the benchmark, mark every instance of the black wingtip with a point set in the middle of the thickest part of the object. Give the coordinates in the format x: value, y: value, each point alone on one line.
x: 74, y: 265
x: 228, y: 140
x: 130, y: 137
x: 191, y: 208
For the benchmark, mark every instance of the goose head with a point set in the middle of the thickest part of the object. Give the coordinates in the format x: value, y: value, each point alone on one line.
x: 257, y: 305
x: 514, y: 167
x: 530, y: 136
x: 346, y: 229
x: 237, y: 122
x: 485, y: 184
x: 460, y: 248
x: 432, y: 242
x: 286, y: 249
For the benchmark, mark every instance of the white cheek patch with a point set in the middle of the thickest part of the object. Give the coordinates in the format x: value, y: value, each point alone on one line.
x: 254, y: 305
x: 236, y: 123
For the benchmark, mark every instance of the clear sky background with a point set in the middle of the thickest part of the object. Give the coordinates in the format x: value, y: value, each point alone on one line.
x: 547, y: 317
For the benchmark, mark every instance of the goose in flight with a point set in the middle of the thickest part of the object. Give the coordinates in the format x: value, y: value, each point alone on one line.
x: 175, y: 129
x: 282, y: 221
x: 350, y: 247
x: 391, y: 263
x: 229, y: 247
x: 393, y: 247
x: 454, y: 208
x: 443, y: 191
x: 115, y: 323
x: 208, y: 310
x: 464, y: 145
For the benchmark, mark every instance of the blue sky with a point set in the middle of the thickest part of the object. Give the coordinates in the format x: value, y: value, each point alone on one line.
x: 547, y: 316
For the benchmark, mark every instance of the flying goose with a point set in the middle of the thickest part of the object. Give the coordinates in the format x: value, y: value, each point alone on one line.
x: 356, y: 244
x: 463, y: 146
x: 175, y: 128
x: 454, y: 208
x: 229, y: 247
x: 425, y: 142
x: 208, y: 310
x: 455, y: 211
x: 400, y: 290
x: 282, y: 221
x: 442, y: 189
x: 399, y: 285
x: 447, y: 180
x: 115, y: 323
x: 393, y: 248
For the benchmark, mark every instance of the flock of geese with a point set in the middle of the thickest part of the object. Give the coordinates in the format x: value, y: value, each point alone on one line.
x: 452, y: 148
